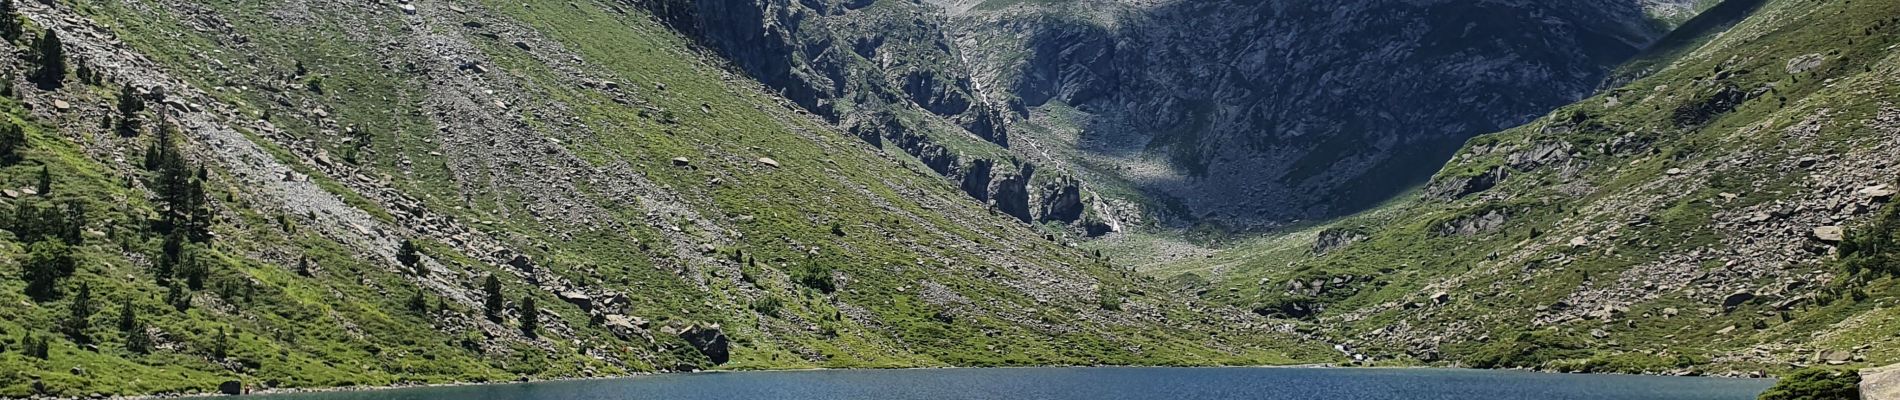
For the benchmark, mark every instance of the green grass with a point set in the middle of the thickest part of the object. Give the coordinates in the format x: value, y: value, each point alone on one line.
x: 897, y: 231
x: 1497, y: 298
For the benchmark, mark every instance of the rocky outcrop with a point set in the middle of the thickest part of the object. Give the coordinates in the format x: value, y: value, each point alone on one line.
x: 1881, y: 383
x: 1258, y: 111
x: 874, y: 71
x: 708, y: 340
x: 1336, y: 238
x: 1486, y: 221
x: 1061, y: 201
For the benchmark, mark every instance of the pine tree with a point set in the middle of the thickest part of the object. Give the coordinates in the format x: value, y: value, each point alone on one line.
x: 418, y: 304
x: 51, y: 74
x: 45, y: 187
x: 12, y: 139
x: 407, y: 255
x: 47, y: 262
x: 136, y: 340
x: 530, y: 317
x: 128, y: 318
x: 72, y: 223
x: 172, y: 254
x: 10, y: 27
x: 35, y: 346
x: 79, y: 315
x: 220, y: 345
x: 130, y: 107
x: 178, y: 297
x: 194, y: 268
x: 491, y: 299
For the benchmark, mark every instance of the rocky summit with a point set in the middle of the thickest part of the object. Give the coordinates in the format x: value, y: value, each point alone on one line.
x: 235, y: 196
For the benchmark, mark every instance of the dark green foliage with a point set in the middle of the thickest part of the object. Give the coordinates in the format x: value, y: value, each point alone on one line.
x: 1874, y: 248
x: 12, y: 139
x: 220, y: 345
x: 767, y: 306
x: 34, y: 223
x: 79, y: 315
x: 530, y: 316
x: 815, y: 276
x: 45, y: 186
x: 417, y: 303
x: 491, y: 299
x: 10, y: 26
x: 131, y: 105
x: 179, y: 188
x: 1816, y: 384
x: 51, y: 57
x: 35, y: 346
x: 407, y: 255
x: 46, y: 263
x: 303, y: 267
x: 194, y: 268
x: 133, y: 328
x: 177, y: 297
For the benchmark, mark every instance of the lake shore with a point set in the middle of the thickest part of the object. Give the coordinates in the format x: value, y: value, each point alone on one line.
x: 372, y: 388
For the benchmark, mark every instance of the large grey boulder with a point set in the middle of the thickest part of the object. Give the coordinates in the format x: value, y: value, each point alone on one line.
x: 1881, y: 383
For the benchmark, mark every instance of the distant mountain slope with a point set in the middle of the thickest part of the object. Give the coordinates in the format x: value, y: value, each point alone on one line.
x: 369, y: 168
x: 1255, y: 114
x: 1724, y: 213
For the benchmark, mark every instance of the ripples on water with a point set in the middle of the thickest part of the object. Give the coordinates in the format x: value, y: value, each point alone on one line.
x: 1097, y: 384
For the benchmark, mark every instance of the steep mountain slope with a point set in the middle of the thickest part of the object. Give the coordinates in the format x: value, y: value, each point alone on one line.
x: 1094, y: 117
x: 1254, y: 114
x: 1723, y: 213
x: 888, y: 72
x: 487, y: 190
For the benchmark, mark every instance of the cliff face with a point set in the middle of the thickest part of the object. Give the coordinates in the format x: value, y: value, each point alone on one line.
x: 1257, y: 112
x: 1248, y: 113
x: 885, y: 71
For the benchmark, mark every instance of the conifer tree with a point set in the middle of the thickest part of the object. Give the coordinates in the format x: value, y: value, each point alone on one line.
x: 45, y: 186
x: 51, y: 74
x: 406, y: 254
x: 10, y: 27
x: 491, y: 299
x: 417, y: 303
x: 130, y: 107
x: 177, y: 297
x: 220, y: 345
x: 12, y: 140
x: 79, y: 315
x: 530, y: 316
x: 47, y: 262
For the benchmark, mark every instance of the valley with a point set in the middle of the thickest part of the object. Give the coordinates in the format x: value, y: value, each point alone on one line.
x: 223, y: 196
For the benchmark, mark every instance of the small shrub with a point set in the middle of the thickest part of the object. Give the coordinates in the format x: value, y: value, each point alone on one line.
x: 1816, y: 384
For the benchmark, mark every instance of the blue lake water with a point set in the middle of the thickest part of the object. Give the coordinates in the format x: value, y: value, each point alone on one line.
x: 1097, y: 384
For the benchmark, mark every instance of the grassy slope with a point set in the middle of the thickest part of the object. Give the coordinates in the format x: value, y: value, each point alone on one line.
x: 1502, y: 278
x: 347, y: 326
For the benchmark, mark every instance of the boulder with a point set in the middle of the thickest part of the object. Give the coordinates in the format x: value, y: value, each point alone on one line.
x: 1736, y: 300
x: 624, y: 326
x: 1882, y: 383
x: 681, y: 161
x: 1881, y: 192
x: 578, y: 299
x: 709, y: 340
x: 231, y: 387
x: 1441, y: 297
x: 768, y: 161
x: 1830, y: 234
x: 522, y: 262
